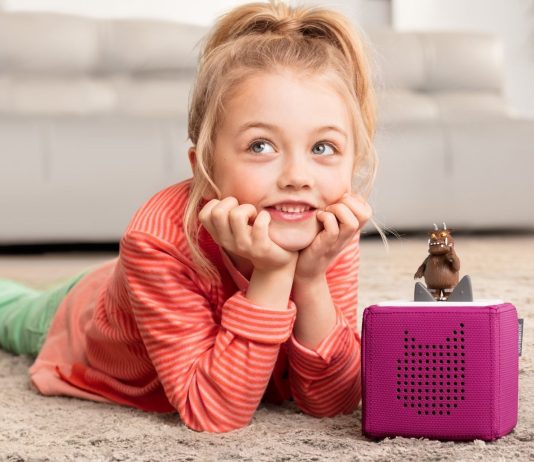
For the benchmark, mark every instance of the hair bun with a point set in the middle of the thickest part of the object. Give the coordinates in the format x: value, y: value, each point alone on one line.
x: 286, y: 25
x: 274, y: 17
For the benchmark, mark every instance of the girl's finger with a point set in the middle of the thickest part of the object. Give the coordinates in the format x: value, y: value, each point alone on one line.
x: 260, y: 229
x: 343, y: 213
x: 239, y: 218
x: 204, y: 216
x: 349, y: 223
x: 220, y: 219
x: 359, y: 207
x: 331, y: 227
x: 205, y: 213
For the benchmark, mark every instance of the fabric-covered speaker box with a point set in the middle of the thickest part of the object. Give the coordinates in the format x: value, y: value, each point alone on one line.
x: 440, y: 370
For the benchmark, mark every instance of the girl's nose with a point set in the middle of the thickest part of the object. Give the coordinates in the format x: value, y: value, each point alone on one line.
x: 296, y: 173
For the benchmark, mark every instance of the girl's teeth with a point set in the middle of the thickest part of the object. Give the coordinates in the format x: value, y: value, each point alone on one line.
x: 291, y: 209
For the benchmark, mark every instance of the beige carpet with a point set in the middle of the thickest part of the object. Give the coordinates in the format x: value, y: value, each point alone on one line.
x: 37, y: 428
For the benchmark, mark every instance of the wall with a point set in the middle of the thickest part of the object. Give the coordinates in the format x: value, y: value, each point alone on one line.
x: 204, y: 12
x: 201, y: 12
x: 366, y: 13
x: 512, y: 20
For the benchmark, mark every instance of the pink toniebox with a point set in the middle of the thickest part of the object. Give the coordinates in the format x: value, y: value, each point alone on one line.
x: 443, y: 370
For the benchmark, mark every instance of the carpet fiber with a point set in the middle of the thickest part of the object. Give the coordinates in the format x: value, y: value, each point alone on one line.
x: 37, y: 428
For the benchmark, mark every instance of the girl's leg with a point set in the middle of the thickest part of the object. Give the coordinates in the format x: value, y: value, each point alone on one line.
x: 26, y: 314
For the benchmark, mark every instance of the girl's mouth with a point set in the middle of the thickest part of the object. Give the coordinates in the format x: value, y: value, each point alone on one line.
x: 279, y: 215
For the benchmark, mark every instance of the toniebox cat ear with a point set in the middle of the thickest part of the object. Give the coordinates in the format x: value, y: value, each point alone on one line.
x: 421, y: 294
x: 463, y: 292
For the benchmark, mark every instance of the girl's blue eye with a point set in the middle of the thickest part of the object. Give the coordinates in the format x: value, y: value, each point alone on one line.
x: 256, y: 147
x: 259, y: 144
x: 322, y: 151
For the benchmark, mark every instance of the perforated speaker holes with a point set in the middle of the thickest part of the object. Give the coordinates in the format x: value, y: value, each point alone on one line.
x: 431, y: 378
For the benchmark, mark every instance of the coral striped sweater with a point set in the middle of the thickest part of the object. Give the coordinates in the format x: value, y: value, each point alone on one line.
x: 145, y: 330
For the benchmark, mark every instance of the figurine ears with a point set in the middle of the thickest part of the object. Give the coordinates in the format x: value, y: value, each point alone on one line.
x: 436, y: 228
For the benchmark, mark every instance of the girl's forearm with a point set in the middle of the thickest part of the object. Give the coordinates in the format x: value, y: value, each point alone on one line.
x: 271, y: 288
x: 316, y: 313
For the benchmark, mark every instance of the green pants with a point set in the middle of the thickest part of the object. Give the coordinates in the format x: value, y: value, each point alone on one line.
x: 26, y: 314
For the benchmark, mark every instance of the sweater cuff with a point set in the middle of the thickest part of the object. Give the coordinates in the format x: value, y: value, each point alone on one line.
x: 330, y: 351
x: 257, y: 323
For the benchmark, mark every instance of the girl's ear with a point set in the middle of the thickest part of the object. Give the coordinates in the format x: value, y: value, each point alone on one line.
x: 192, y: 158
x: 193, y: 161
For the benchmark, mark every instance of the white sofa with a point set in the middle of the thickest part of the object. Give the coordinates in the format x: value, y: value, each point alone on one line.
x: 93, y: 121
x: 449, y: 146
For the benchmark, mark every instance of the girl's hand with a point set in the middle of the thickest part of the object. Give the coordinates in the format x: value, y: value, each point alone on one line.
x: 228, y: 224
x: 341, y: 222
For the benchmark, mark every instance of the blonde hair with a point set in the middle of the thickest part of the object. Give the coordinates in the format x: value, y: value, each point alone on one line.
x: 266, y: 36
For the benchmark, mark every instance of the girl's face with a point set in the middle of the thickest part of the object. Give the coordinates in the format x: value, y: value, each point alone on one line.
x: 285, y: 138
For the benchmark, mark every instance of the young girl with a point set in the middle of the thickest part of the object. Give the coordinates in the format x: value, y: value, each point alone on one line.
x: 239, y: 284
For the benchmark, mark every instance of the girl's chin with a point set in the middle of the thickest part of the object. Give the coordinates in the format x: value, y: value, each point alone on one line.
x: 292, y: 246
x: 293, y: 240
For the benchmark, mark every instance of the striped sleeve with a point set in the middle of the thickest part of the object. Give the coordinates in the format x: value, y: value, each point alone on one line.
x: 213, y: 374
x: 325, y: 381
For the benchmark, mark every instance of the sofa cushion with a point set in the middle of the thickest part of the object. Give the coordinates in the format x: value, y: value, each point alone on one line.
x: 409, y: 106
x: 405, y: 105
x: 413, y: 177
x: 56, y: 95
x: 82, y: 178
x: 470, y: 105
x: 152, y: 97
x: 463, y: 61
x: 398, y: 60
x: 86, y: 96
x: 443, y: 61
x: 493, y: 165
x: 47, y: 43
x: 137, y: 46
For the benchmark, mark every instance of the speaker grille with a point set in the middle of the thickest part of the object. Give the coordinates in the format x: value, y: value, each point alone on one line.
x: 431, y: 377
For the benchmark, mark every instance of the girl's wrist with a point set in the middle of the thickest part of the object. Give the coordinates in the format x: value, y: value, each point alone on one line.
x: 302, y: 284
x: 309, y: 278
x: 316, y: 313
x: 271, y: 287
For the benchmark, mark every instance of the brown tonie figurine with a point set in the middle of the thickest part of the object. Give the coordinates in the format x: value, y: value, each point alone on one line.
x: 441, y: 268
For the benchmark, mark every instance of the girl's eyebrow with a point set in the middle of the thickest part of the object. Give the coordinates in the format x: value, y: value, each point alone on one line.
x: 275, y: 128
